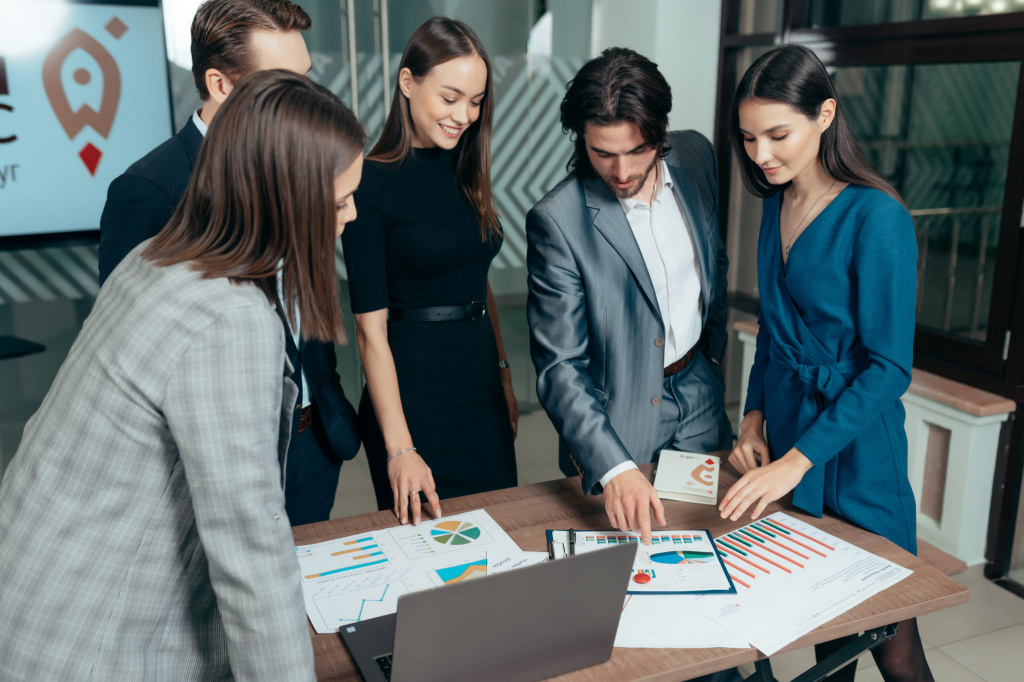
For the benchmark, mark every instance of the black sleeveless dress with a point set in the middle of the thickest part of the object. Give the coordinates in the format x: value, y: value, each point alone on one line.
x: 415, y: 244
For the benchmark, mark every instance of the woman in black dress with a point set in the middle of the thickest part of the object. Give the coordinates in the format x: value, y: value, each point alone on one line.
x: 438, y: 415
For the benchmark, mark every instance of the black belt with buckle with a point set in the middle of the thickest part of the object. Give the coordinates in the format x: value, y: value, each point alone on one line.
x: 474, y: 310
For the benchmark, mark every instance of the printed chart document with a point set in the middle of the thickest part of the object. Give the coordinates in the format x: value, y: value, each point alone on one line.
x: 499, y: 562
x: 666, y: 621
x: 677, y: 561
x: 362, y: 576
x: 791, y: 577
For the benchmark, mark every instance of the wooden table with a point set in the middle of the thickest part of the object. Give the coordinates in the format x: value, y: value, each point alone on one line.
x: 527, y: 511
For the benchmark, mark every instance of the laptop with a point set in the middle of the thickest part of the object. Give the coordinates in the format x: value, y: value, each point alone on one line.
x: 527, y: 624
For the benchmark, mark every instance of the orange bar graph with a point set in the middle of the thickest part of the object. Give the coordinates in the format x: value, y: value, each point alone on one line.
x: 347, y: 551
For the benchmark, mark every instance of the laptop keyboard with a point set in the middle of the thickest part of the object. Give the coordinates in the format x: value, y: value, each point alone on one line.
x: 384, y: 663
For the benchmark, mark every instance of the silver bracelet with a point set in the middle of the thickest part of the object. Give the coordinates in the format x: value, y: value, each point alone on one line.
x: 400, y: 452
x: 503, y: 364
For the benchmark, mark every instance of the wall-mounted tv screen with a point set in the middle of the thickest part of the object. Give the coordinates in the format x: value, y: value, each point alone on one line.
x: 83, y: 94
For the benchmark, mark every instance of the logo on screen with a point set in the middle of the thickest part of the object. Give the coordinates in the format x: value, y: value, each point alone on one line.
x: 75, y: 120
x: 5, y: 90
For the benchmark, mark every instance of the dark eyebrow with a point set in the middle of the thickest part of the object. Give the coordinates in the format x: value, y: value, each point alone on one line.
x: 771, y: 130
x: 638, y: 148
x: 460, y: 92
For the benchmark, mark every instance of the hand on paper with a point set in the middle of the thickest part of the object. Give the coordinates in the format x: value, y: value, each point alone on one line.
x: 628, y: 501
x: 751, y: 446
x: 764, y: 484
x: 510, y: 400
x: 408, y: 473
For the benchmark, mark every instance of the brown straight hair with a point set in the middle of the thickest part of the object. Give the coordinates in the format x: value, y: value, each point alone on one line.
x: 221, y: 30
x: 793, y: 75
x: 437, y: 41
x: 261, y: 198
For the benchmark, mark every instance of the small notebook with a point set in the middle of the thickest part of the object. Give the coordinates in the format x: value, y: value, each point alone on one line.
x: 687, y: 477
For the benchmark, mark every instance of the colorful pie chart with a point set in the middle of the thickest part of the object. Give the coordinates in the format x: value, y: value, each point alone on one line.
x: 682, y: 557
x: 455, y: 532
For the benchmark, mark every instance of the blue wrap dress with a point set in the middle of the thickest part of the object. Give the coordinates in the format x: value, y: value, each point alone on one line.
x: 834, y: 356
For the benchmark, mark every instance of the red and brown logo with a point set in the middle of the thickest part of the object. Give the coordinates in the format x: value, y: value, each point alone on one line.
x: 703, y: 472
x: 75, y: 120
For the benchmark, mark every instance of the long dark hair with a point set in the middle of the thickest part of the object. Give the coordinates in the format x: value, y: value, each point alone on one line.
x: 437, y: 41
x: 793, y: 75
x: 619, y: 85
x: 262, y: 196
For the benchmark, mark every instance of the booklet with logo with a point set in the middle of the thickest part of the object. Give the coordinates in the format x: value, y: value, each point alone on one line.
x: 687, y: 477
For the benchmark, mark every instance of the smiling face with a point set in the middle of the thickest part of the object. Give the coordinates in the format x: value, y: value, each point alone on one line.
x: 621, y: 157
x: 445, y: 102
x: 344, y: 186
x: 782, y: 141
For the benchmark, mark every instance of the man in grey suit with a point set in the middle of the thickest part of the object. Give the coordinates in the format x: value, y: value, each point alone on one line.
x: 627, y: 288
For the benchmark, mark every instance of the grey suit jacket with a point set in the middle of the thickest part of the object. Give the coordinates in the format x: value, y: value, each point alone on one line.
x: 144, y: 535
x: 594, y: 317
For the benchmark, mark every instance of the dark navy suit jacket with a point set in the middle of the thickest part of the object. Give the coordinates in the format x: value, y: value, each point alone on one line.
x: 141, y: 201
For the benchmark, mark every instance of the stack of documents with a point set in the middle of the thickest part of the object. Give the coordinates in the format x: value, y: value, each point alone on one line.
x: 790, y: 578
x: 354, y: 578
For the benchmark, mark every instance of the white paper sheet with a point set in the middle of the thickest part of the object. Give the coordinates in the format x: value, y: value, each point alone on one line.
x: 791, y: 577
x: 669, y: 622
x: 499, y: 562
x: 362, y: 576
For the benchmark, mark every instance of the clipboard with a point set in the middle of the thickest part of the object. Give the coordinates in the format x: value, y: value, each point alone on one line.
x: 676, y: 562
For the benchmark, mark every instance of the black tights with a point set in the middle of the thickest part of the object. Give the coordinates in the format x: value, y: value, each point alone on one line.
x: 900, y: 659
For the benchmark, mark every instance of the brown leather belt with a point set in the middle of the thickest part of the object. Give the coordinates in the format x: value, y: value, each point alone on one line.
x: 305, y: 418
x: 679, y: 364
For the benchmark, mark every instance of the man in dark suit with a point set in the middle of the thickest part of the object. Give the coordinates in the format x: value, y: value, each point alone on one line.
x: 230, y: 39
x: 627, y: 288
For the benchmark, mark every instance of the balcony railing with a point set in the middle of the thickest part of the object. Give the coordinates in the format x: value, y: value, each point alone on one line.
x: 941, y: 227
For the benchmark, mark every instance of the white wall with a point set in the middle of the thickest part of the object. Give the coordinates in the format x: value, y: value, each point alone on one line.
x: 681, y: 36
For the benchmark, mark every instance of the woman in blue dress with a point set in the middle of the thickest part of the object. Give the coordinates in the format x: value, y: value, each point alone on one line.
x: 837, y: 273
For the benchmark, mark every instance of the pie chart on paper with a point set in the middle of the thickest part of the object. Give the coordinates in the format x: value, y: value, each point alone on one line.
x: 455, y: 532
x: 682, y: 557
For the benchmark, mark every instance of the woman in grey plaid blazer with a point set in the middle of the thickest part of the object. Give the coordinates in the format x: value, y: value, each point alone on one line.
x: 143, y: 534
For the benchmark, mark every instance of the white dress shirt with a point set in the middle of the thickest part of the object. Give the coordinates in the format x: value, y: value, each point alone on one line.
x: 306, y: 398
x: 666, y: 243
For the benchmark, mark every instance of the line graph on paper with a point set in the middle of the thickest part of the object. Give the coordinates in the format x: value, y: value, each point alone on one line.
x: 359, y: 605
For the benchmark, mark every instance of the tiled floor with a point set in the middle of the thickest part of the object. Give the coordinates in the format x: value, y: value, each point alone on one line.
x: 981, y: 641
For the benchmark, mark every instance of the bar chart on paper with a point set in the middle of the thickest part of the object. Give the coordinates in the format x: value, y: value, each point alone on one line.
x: 333, y: 558
x: 791, y: 577
x: 770, y: 546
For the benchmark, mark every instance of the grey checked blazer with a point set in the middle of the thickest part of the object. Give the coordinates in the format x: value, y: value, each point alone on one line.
x: 595, y: 324
x: 142, y: 526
